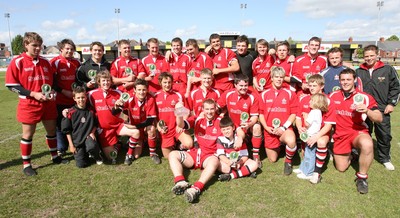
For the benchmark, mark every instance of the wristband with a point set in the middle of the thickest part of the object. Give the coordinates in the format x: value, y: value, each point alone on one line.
x: 287, y: 124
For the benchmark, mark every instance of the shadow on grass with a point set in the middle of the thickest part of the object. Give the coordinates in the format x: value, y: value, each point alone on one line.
x: 16, y: 162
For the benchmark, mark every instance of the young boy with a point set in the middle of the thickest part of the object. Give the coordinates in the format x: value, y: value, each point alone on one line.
x: 31, y: 77
x: 110, y: 125
x: 142, y: 113
x: 80, y: 127
x: 233, y: 169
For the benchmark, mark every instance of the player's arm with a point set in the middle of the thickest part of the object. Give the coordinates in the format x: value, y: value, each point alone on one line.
x: 233, y: 67
x: 374, y: 115
x: 264, y: 124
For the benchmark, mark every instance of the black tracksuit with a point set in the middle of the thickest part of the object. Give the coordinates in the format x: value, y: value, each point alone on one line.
x: 383, y: 85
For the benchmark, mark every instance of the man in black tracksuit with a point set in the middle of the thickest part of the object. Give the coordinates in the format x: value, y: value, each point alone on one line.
x: 382, y: 82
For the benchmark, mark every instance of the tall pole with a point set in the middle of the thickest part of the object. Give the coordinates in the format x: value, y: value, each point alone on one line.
x: 243, y: 7
x: 379, y: 4
x: 7, y: 15
x: 117, y: 11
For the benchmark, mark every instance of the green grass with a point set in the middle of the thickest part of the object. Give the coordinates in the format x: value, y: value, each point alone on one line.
x: 143, y: 189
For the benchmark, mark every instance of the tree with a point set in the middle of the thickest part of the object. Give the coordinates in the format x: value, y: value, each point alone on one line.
x: 17, y: 45
x: 360, y: 52
x: 393, y: 38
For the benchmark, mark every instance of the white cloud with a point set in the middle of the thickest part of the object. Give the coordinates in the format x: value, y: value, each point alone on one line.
x: 59, y: 25
x: 83, y: 36
x: 356, y: 18
x: 189, y: 32
x: 247, y: 23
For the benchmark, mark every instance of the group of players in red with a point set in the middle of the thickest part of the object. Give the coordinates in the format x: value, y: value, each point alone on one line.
x: 232, y: 101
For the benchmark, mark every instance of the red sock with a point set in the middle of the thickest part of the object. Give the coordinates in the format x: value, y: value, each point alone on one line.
x: 256, y: 141
x: 132, y: 145
x: 52, y: 144
x: 179, y: 178
x: 244, y: 171
x: 320, y: 160
x: 199, y: 185
x: 290, y: 153
x: 152, y: 145
x: 26, y: 150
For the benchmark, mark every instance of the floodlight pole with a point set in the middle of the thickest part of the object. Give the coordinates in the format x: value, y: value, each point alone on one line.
x: 117, y: 11
x: 379, y: 4
x: 7, y: 15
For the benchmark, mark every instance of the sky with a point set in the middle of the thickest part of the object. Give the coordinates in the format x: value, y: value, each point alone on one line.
x: 87, y: 21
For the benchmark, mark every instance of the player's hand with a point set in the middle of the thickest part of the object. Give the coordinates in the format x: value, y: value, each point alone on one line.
x: 272, y: 51
x: 130, y: 78
x: 65, y: 112
x: 312, y: 140
x: 304, y: 86
x: 362, y: 108
x: 179, y: 129
x: 91, y: 135
x: 168, y: 55
x: 244, y: 126
x: 291, y: 59
x: 72, y: 149
x: 302, y: 129
x: 179, y: 104
x: 90, y: 84
x: 38, y: 96
x: 278, y: 131
x: 129, y: 126
x: 119, y: 103
x: 270, y: 130
x: 207, y: 49
x: 389, y: 109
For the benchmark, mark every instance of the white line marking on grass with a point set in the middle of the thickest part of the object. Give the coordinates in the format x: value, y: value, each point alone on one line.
x: 16, y: 136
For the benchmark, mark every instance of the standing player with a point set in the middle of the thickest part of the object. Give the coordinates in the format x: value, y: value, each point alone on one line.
x: 199, y: 61
x: 284, y: 60
x: 331, y: 74
x: 352, y: 108
x: 205, y: 91
x: 142, y: 113
x: 96, y: 63
x: 179, y: 64
x: 154, y: 63
x: 382, y: 82
x: 243, y: 108
x: 166, y: 100
x: 206, y: 132
x: 125, y: 69
x: 225, y: 64
x: 245, y: 57
x: 308, y: 64
x: 65, y: 66
x: 262, y: 67
x: 31, y: 77
x: 278, y: 108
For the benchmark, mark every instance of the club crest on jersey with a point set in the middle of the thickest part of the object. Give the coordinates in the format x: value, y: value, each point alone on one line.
x: 268, y: 65
x: 219, y: 58
x: 245, y: 106
x: 198, y: 65
x: 381, y: 78
x: 336, y: 77
x: 284, y: 101
x: 45, y: 69
x: 83, y: 120
x: 184, y: 64
x: 318, y: 68
x: 173, y: 102
x: 214, y: 131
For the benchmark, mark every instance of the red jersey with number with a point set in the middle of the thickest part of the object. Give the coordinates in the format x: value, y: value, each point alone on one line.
x: 278, y: 103
x: 65, y: 77
x: 288, y: 67
x: 347, y: 118
x: 237, y: 104
x: 166, y: 102
x: 29, y: 73
x: 179, y: 66
x: 197, y: 64
x: 155, y: 66
x: 222, y: 59
x: 198, y: 96
x: 103, y: 102
x: 304, y: 66
x: 262, y: 70
x: 121, y: 67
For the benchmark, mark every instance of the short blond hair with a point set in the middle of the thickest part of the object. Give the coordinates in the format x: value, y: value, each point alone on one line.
x: 319, y: 101
x: 277, y: 71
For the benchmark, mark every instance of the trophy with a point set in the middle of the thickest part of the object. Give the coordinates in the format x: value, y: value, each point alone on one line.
x: 74, y: 85
x: 234, y: 156
x: 244, y: 117
x: 276, y: 123
x: 46, y: 89
x: 124, y: 97
x: 304, y: 136
x: 191, y: 73
x: 128, y: 71
x: 152, y: 68
x: 335, y: 88
x: 358, y: 99
x: 262, y: 82
x: 162, y: 125
x: 181, y: 111
x: 113, y: 155
x: 92, y: 75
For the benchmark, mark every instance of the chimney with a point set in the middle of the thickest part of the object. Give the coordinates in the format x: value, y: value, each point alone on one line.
x: 350, y: 39
x: 382, y: 39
